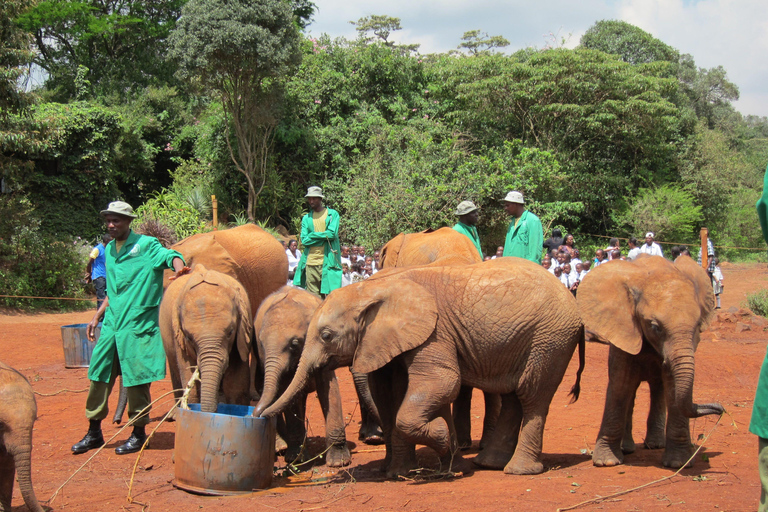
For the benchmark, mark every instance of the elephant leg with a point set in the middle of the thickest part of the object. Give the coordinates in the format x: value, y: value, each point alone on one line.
x: 503, y: 441
x: 527, y: 457
x: 492, y: 411
x: 387, y: 388
x: 7, y: 472
x: 657, y: 416
x: 627, y: 440
x: 678, y: 447
x: 296, y: 430
x: 623, y: 380
x: 235, y: 383
x: 337, y: 453
x: 462, y: 418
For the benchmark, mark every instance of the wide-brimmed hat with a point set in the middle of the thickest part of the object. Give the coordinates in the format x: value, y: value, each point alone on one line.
x: 119, y: 208
x: 514, y: 197
x: 649, y: 234
x: 315, y: 192
x: 465, y: 207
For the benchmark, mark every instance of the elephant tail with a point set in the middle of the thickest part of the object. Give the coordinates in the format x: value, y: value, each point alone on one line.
x: 576, y: 389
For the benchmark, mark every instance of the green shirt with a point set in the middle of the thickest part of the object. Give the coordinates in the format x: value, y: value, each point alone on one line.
x: 329, y: 240
x: 526, y: 238
x: 130, y: 330
x: 759, y: 423
x: 471, y: 232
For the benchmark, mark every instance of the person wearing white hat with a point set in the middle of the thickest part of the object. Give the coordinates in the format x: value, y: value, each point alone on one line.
x: 130, y: 342
x: 651, y: 247
x: 319, y: 269
x: 468, y: 214
x: 525, y: 236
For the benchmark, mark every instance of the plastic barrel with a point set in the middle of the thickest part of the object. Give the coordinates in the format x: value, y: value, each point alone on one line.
x: 77, y: 348
x: 226, y: 452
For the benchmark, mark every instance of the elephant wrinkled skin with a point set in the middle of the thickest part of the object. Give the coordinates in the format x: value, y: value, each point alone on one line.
x: 506, y: 327
x: 205, y: 321
x: 651, y: 311
x: 445, y: 246
x: 18, y: 412
x: 280, y: 329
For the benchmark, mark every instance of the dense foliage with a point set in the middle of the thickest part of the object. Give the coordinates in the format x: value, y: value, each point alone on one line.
x: 618, y: 136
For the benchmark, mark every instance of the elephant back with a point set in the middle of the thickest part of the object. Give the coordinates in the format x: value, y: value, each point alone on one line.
x: 247, y: 253
x: 445, y: 246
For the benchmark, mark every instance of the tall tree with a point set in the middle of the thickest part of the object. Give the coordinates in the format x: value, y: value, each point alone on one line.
x: 121, y: 42
x: 381, y: 26
x: 241, y: 51
x: 630, y: 43
x: 480, y: 43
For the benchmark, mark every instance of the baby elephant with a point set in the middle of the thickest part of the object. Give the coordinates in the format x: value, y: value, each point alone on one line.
x: 281, y: 326
x: 18, y: 412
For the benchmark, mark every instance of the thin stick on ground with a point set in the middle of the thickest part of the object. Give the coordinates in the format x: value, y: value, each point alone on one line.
x: 129, y: 424
x: 668, y: 477
x: 181, y: 401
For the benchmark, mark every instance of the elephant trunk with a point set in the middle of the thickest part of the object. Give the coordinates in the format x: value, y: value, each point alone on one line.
x: 211, y: 370
x: 22, y: 459
x: 273, y: 373
x: 307, y: 366
x: 681, y: 365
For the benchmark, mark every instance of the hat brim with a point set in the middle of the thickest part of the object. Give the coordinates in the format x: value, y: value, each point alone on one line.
x: 315, y: 195
x: 107, y: 212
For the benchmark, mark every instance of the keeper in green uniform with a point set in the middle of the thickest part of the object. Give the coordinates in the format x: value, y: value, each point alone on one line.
x: 319, y: 269
x: 468, y: 214
x: 759, y: 423
x: 130, y: 342
x: 525, y: 237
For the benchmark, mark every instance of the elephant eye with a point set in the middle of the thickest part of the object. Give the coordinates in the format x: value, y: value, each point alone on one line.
x: 326, y: 336
x: 295, y: 343
x: 655, y: 327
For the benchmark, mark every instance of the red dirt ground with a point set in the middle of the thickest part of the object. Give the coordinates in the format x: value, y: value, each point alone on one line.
x: 724, y: 476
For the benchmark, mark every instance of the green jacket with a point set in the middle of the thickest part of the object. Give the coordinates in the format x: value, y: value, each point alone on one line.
x: 130, y: 330
x: 526, y: 239
x: 759, y: 423
x: 329, y: 239
x: 471, y: 232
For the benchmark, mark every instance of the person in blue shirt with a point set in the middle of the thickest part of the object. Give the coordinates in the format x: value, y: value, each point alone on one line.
x: 96, y: 270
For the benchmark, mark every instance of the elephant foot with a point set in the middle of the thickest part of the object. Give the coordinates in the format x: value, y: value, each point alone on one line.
x: 450, y: 460
x: 338, y: 456
x: 523, y: 467
x: 654, y: 442
x: 492, y: 459
x: 371, y: 434
x: 280, y: 444
x: 677, y: 457
x: 628, y: 446
x: 606, y: 456
x: 401, y: 469
x: 465, y: 443
x: 295, y: 455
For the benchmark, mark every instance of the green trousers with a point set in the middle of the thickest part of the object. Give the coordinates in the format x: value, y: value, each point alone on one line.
x: 97, y: 404
x: 314, y: 278
x: 762, y: 468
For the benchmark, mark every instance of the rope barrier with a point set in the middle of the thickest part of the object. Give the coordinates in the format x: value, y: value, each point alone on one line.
x: 48, y: 298
x: 684, y: 243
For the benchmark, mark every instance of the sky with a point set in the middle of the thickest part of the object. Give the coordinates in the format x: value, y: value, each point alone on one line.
x: 728, y: 33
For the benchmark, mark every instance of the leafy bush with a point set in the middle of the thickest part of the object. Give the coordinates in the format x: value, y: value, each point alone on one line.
x: 670, y: 212
x: 758, y: 302
x: 173, y: 211
x: 33, y: 264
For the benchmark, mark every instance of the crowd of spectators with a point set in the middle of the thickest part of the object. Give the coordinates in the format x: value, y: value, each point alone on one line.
x: 356, y: 265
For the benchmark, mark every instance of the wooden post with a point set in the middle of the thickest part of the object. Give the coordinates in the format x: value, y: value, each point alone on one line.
x: 703, y: 234
x: 215, y: 206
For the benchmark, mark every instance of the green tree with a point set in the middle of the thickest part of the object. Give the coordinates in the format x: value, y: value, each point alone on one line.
x: 669, y: 211
x: 630, y: 43
x: 480, y: 43
x: 381, y: 26
x: 122, y: 43
x: 241, y: 51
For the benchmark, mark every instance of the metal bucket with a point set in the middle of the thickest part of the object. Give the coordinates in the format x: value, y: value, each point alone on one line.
x: 226, y: 452
x: 77, y: 348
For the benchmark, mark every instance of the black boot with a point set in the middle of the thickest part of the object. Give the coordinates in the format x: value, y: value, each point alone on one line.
x: 134, y: 443
x: 93, y: 439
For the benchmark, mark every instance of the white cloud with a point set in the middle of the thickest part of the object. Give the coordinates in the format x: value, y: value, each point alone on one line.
x: 731, y: 33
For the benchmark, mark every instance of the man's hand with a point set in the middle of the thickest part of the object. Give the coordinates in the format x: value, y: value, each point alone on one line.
x: 180, y: 272
x: 90, y: 331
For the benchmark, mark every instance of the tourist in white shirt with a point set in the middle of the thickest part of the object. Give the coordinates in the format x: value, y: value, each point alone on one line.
x: 634, y: 250
x: 651, y: 247
x: 345, y: 256
x: 294, y: 255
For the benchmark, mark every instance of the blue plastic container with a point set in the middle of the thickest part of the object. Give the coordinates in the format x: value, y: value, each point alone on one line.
x: 226, y: 452
x: 77, y: 348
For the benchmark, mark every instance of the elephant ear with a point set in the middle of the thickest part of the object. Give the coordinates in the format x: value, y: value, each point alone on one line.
x: 245, y: 328
x: 391, y: 250
x: 607, y: 299
x: 397, y: 315
x: 264, y: 308
x: 703, y: 286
